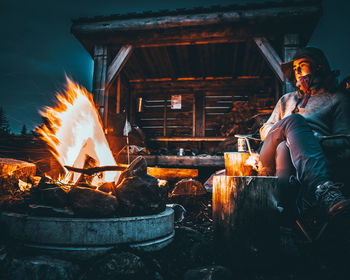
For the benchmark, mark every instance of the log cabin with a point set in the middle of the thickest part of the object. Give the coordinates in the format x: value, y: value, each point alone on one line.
x: 178, y: 75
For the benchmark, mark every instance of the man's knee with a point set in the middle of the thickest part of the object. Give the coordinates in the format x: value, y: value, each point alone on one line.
x: 295, y: 118
x: 282, y: 148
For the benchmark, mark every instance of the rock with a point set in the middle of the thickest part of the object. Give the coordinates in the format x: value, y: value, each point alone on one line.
x: 53, y: 196
x: 11, y: 170
x: 124, y: 265
x: 92, y: 203
x: 189, y: 245
x: 209, y: 273
x: 188, y: 187
x: 38, y: 267
x: 140, y: 196
x: 138, y: 167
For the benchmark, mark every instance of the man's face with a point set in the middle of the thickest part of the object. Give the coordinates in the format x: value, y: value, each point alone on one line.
x: 302, y: 67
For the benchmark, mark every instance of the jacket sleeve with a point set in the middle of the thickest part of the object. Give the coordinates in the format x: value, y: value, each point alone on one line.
x: 340, y: 124
x: 275, y: 117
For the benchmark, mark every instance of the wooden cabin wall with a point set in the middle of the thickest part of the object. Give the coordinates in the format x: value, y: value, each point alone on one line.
x: 205, y: 104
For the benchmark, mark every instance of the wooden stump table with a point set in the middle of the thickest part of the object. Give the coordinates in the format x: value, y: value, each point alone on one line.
x: 245, y: 214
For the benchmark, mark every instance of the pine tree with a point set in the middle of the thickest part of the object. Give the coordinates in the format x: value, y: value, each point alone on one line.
x: 24, y: 130
x: 4, y: 124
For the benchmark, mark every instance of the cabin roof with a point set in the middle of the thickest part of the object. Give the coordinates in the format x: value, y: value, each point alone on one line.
x: 199, y: 42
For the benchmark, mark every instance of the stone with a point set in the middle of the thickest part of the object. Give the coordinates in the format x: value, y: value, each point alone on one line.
x: 38, y: 267
x: 140, y: 196
x: 123, y: 265
x: 92, y: 203
x: 53, y: 196
x: 209, y: 273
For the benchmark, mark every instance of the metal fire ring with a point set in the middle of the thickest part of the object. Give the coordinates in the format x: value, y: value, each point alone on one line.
x: 85, y: 232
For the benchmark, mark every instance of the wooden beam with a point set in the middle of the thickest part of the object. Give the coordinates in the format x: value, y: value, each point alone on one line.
x: 117, y: 109
x: 200, y: 84
x: 118, y: 62
x: 202, y: 19
x: 181, y: 161
x: 99, y: 80
x: 270, y: 55
x: 190, y: 139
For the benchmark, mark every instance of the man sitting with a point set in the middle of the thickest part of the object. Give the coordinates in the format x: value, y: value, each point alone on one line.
x: 300, y: 119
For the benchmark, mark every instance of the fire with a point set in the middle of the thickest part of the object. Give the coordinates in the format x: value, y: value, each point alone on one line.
x: 74, y: 130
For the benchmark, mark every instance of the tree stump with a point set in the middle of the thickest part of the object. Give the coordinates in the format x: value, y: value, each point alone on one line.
x: 11, y: 170
x: 245, y: 214
x: 235, y: 164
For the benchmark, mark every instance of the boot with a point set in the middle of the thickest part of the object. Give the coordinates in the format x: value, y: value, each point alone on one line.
x: 331, y: 199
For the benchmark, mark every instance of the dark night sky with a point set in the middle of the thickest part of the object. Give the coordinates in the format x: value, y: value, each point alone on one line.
x: 37, y: 48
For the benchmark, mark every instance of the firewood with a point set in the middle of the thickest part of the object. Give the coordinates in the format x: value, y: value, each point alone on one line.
x: 188, y: 187
x: 93, y: 170
x: 11, y: 170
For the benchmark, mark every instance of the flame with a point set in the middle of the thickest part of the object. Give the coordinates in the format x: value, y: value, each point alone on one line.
x: 74, y: 130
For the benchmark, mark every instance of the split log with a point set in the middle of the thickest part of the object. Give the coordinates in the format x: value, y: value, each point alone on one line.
x: 138, y: 167
x: 188, y: 187
x: 245, y: 214
x: 11, y: 170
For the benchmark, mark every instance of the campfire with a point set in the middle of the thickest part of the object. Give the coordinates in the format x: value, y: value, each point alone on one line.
x: 90, y: 182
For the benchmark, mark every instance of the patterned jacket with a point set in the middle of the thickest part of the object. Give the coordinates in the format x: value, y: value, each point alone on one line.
x: 326, y: 113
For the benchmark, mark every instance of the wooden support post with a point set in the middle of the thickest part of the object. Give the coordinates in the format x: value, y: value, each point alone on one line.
x: 245, y: 215
x: 199, y: 114
x: 165, y: 114
x: 291, y: 44
x: 118, y: 62
x: 270, y: 56
x: 117, y: 108
x: 99, y: 79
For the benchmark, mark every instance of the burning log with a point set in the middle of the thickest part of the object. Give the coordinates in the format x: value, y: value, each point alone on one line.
x: 12, y: 170
x: 93, y: 170
x: 108, y: 187
x: 245, y: 213
x: 92, y: 203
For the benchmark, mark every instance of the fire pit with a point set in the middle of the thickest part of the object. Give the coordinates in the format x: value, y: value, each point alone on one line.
x: 82, y: 238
